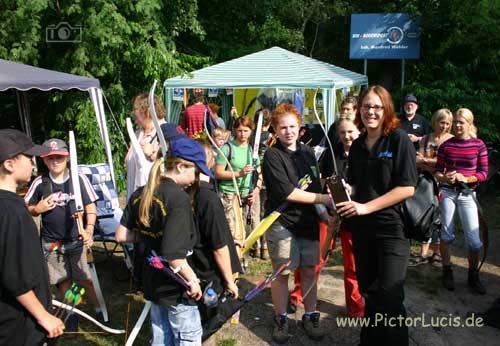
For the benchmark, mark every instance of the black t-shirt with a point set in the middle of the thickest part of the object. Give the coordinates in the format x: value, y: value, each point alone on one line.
x: 390, y: 163
x: 171, y: 234
x: 58, y: 223
x: 282, y: 169
x: 22, y: 268
x: 418, y: 126
x: 214, y: 234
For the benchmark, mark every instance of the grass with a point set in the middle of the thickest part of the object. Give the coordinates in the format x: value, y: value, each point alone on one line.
x: 227, y: 342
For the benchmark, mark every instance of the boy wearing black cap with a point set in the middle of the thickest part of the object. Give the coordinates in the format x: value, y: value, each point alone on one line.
x: 24, y: 288
x: 415, y: 125
x: 50, y: 196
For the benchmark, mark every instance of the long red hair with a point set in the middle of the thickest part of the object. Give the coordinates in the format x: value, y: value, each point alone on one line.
x: 390, y: 121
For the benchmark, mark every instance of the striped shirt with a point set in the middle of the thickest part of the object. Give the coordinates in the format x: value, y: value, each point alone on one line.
x: 466, y: 156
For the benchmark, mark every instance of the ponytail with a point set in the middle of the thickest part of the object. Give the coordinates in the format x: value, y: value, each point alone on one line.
x: 148, y: 191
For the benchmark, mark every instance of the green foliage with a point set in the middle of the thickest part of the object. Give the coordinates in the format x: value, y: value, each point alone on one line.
x: 125, y: 44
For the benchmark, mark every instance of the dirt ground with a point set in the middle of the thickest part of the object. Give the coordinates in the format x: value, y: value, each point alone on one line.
x: 424, y: 297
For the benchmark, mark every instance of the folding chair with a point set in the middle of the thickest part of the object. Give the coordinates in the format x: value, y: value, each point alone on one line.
x: 108, y: 210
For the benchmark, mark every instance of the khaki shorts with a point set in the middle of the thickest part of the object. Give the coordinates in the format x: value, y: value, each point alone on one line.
x: 67, y: 262
x: 283, y: 245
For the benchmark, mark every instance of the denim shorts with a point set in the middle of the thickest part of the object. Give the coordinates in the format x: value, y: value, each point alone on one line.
x: 177, y: 325
x: 466, y: 206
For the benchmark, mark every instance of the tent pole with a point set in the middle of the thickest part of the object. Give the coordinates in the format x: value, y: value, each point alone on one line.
x: 168, y: 102
x: 24, y: 111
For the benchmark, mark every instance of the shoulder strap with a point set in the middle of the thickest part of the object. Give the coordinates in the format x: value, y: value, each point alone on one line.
x: 46, y: 186
x: 230, y: 153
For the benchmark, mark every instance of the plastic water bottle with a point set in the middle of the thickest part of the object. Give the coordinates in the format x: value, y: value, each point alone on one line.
x: 210, y: 298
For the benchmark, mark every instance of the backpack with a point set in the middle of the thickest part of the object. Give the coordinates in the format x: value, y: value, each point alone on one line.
x: 420, y: 213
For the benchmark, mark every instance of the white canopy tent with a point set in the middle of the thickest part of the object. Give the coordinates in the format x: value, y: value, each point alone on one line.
x: 271, y: 68
x: 23, y: 78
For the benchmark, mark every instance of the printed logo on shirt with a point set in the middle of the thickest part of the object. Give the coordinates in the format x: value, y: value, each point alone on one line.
x: 415, y: 126
x: 62, y: 199
x: 385, y: 155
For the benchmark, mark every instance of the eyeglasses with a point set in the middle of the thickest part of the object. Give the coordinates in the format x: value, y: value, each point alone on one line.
x: 376, y: 108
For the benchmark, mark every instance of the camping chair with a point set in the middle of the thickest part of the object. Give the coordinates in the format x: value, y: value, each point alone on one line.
x: 108, y: 210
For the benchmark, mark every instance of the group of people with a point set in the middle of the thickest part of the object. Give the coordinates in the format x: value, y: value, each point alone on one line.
x: 175, y: 210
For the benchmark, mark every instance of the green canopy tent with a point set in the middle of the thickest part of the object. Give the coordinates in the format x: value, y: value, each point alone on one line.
x: 271, y: 68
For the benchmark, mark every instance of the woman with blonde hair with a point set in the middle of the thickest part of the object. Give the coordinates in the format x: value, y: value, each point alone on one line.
x: 426, y: 161
x: 462, y: 163
x: 160, y: 215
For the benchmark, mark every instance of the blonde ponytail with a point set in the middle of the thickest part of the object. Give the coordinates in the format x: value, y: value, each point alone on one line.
x: 148, y: 191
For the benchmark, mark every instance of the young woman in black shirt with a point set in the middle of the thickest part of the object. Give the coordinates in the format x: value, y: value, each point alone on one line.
x: 382, y: 173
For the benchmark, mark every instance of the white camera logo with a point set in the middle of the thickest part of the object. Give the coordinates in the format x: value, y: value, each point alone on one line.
x: 63, y: 32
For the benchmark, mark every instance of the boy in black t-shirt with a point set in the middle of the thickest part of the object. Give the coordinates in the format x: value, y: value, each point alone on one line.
x: 24, y: 289
x: 50, y: 196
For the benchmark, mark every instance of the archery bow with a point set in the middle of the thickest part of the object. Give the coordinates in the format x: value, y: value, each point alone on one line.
x: 75, y: 181
x: 154, y: 117
x: 329, y: 244
x: 87, y: 317
x: 255, y: 156
x: 237, y: 211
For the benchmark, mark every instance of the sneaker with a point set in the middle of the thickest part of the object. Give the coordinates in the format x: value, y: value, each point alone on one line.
x: 311, y: 326
x: 413, y: 262
x: 71, y: 324
x: 474, y: 283
x: 447, y: 278
x: 280, y: 331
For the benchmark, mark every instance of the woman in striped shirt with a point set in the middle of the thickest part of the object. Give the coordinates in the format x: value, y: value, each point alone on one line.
x: 462, y: 163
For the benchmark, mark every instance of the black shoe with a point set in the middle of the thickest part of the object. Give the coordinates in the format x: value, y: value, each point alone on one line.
x: 100, y: 318
x: 311, y: 326
x: 474, y: 283
x: 280, y: 331
x: 447, y: 278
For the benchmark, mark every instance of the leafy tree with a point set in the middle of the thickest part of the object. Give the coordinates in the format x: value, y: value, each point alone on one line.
x: 125, y: 44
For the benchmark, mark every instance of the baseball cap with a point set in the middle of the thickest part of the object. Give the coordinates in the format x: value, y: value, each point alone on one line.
x: 172, y: 132
x: 192, y: 151
x: 14, y: 142
x: 411, y: 98
x: 56, y: 146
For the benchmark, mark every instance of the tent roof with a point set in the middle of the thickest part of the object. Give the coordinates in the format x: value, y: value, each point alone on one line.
x: 25, y: 77
x: 274, y: 68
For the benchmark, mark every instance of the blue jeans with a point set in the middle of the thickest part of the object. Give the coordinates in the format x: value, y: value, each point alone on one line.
x: 467, y: 210
x: 177, y: 325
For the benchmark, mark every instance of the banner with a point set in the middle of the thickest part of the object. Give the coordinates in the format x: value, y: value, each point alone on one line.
x: 384, y: 36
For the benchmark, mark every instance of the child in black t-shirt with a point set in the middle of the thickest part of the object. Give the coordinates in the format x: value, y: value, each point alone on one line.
x: 24, y: 290
x: 50, y: 196
x: 160, y: 213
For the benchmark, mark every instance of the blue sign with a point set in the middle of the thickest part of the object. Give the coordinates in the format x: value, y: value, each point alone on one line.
x: 384, y: 36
